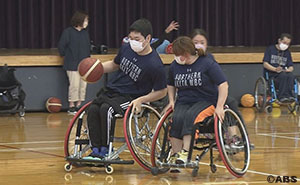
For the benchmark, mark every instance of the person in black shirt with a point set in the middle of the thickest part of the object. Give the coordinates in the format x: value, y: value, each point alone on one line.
x: 74, y: 45
x: 278, y: 63
x: 139, y: 78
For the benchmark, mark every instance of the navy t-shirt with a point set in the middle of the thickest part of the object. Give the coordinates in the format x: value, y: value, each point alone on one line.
x: 277, y: 58
x: 74, y: 45
x: 138, y: 75
x: 198, y: 81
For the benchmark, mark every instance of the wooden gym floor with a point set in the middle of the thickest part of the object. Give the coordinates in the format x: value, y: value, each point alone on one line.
x: 31, y: 152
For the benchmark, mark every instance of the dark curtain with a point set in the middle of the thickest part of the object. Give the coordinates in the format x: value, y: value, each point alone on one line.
x: 39, y: 23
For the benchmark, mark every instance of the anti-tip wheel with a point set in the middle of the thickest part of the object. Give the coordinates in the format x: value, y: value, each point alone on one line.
x: 109, y: 170
x: 154, y: 171
x: 213, y: 168
x: 68, y: 167
x: 195, y: 171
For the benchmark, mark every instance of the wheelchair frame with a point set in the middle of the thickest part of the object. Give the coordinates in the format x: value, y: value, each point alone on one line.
x: 160, y: 158
x: 82, y: 145
x: 263, y: 102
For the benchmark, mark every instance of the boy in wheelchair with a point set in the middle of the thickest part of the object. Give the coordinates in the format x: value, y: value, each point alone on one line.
x: 140, y: 78
x: 202, y: 90
x: 278, y: 64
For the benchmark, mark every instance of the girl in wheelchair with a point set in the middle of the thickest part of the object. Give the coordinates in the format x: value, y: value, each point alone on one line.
x: 201, y: 89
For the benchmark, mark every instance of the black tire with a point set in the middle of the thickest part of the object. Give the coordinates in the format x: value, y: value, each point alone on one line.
x: 236, y: 161
x: 139, y: 131
x: 260, y: 94
x: 77, y: 128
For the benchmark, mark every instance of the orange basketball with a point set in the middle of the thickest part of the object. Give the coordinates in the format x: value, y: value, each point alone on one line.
x: 90, y: 69
x: 247, y: 100
x: 53, y: 104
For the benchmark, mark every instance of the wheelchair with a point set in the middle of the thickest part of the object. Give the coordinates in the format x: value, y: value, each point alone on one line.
x: 208, y: 136
x: 138, y: 133
x: 265, y: 94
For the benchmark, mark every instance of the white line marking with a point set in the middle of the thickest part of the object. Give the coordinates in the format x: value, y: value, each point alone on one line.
x: 31, y: 142
x: 284, y: 137
x: 35, y: 149
x: 237, y: 182
x: 248, y: 171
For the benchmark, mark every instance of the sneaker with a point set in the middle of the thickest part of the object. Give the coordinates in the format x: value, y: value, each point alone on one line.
x: 173, y: 158
x: 284, y: 100
x: 236, y: 143
x: 292, y: 99
x: 72, y: 111
x: 182, y: 157
x: 103, y: 151
x: 95, y: 155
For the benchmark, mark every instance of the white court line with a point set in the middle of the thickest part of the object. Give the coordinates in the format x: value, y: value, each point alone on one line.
x: 291, y: 133
x: 262, y: 147
x: 34, y: 149
x: 284, y: 137
x: 237, y: 182
x: 248, y: 171
x: 31, y: 142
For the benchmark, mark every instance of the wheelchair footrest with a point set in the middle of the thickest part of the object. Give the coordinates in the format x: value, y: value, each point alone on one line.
x: 103, y: 161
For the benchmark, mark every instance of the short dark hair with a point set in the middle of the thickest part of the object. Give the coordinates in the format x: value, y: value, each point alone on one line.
x: 198, y: 31
x: 142, y: 26
x: 287, y: 35
x: 78, y: 18
x: 183, y: 45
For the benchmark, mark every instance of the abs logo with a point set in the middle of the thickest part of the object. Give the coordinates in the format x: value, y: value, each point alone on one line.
x: 281, y: 179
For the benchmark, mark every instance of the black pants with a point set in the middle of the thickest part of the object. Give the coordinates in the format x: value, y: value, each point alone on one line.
x: 101, y: 116
x: 285, y: 84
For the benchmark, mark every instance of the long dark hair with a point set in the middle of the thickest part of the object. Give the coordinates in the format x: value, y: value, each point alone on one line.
x: 198, y: 31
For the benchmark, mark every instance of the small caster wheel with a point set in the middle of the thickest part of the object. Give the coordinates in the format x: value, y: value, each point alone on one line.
x: 195, y: 171
x: 213, y: 168
x: 268, y: 109
x: 22, y: 113
x: 68, y: 176
x: 109, y: 179
x: 109, y: 170
x: 154, y: 171
x: 68, y: 167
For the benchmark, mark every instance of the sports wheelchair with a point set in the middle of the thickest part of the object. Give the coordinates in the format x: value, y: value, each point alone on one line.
x: 208, y: 135
x: 138, y: 133
x: 265, y: 94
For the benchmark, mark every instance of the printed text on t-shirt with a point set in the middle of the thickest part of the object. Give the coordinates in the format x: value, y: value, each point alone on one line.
x: 131, y: 69
x: 188, y: 79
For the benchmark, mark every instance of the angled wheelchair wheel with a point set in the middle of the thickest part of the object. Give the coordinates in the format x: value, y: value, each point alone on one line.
x: 260, y: 94
x: 77, y: 138
x: 233, y: 143
x: 139, y: 131
x: 161, y: 146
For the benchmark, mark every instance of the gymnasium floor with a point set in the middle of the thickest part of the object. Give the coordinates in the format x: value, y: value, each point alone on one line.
x: 31, y: 152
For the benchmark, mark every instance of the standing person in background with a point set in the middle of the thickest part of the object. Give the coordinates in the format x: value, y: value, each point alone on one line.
x: 74, y: 45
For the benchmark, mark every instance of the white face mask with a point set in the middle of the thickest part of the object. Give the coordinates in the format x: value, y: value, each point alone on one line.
x: 283, y: 46
x: 136, y: 46
x: 200, y: 46
x: 177, y: 59
x: 85, y: 24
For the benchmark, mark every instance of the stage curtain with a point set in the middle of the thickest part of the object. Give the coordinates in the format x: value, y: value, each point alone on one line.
x: 39, y: 23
